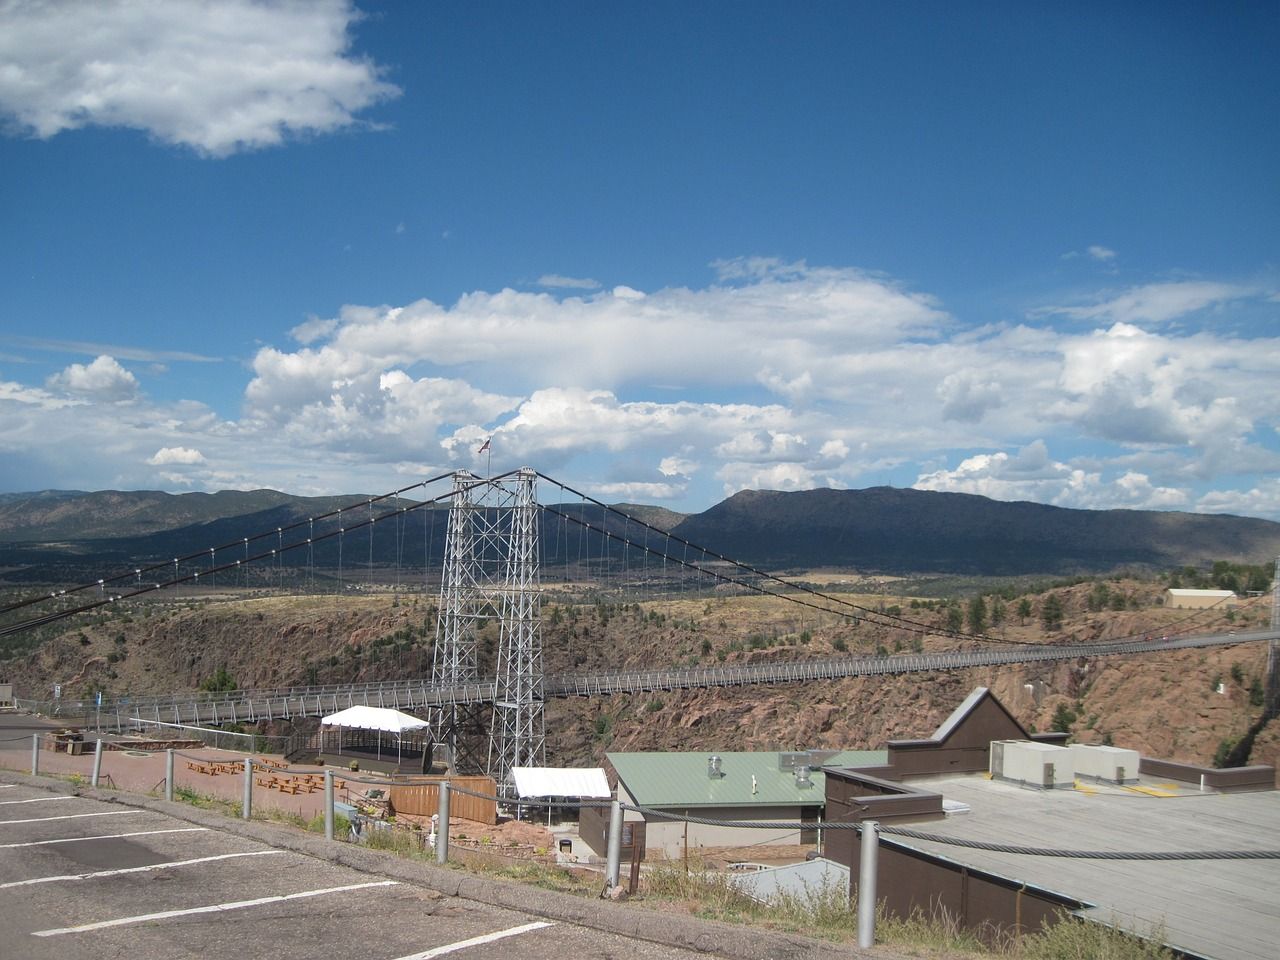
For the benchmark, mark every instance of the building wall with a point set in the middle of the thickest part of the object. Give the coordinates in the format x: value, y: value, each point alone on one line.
x: 1195, y: 602
x: 990, y: 907
x: 670, y: 838
x: 967, y: 749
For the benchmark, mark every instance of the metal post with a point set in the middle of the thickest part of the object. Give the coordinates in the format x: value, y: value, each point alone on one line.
x: 328, y: 804
x: 615, y: 845
x: 35, y: 754
x: 168, y: 774
x: 867, y: 884
x: 97, y: 764
x: 248, y: 788
x: 442, y: 832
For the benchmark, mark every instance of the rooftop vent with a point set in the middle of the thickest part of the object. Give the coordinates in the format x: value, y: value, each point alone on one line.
x: 803, y: 779
x: 713, y: 767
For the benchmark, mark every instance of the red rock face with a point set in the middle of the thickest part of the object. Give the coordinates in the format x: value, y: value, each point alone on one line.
x: 1164, y: 705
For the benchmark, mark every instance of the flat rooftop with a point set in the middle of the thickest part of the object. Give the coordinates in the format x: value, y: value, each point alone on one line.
x: 1219, y: 909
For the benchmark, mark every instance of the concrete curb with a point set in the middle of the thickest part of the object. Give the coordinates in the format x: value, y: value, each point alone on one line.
x: 688, y: 933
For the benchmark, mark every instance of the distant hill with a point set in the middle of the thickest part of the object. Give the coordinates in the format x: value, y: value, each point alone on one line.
x: 70, y: 535
x: 892, y: 530
x: 52, y: 515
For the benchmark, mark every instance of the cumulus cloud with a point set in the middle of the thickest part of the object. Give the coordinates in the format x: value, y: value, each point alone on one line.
x: 1030, y: 474
x: 1262, y: 500
x: 171, y: 455
x: 1099, y: 252
x: 215, y: 77
x: 967, y: 395
x: 103, y: 379
x: 778, y: 476
x: 775, y: 375
x: 677, y: 467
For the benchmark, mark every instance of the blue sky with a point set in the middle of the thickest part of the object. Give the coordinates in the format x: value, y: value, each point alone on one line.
x: 662, y: 252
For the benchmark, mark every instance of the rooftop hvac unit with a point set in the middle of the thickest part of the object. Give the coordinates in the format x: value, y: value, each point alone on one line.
x: 789, y: 761
x: 1111, y: 764
x: 1040, y: 765
x: 713, y: 767
x: 803, y: 779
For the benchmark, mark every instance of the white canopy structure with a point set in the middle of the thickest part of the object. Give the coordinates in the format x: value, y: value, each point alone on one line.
x: 383, y: 719
x: 585, y: 782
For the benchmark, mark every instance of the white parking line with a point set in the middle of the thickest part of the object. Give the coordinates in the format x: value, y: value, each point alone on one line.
x: 7, y: 786
x: 76, y: 816
x: 476, y: 941
x: 105, y: 836
x: 212, y: 908
x: 5, y: 803
x: 122, y: 870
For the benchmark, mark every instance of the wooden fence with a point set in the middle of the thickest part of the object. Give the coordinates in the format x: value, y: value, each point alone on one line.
x: 422, y: 799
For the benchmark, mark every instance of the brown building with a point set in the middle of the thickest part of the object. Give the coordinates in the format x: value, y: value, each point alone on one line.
x: 967, y: 855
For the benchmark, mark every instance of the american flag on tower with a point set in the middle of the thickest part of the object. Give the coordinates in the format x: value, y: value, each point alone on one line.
x: 484, y: 446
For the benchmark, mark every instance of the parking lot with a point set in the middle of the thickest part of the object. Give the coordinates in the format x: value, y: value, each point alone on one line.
x: 81, y: 877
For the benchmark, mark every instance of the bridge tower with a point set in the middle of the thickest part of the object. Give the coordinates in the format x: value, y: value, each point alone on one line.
x: 491, y: 574
x: 517, y: 737
x: 1273, y: 649
x: 453, y: 659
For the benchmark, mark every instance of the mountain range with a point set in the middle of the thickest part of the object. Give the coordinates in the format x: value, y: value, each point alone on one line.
x: 58, y: 535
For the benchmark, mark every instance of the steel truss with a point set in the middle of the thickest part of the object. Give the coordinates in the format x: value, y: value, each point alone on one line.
x: 1272, y: 707
x: 491, y: 574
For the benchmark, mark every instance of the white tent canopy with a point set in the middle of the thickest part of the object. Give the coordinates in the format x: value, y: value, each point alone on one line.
x: 382, y: 719
x: 587, y: 782
x: 374, y: 718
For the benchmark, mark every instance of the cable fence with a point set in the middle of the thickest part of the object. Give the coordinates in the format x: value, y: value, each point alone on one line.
x: 230, y: 740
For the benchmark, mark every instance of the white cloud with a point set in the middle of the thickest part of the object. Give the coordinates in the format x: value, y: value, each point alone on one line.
x: 11, y: 392
x: 312, y: 330
x: 556, y: 281
x: 217, y: 77
x: 1262, y: 500
x: 778, y: 476
x: 787, y: 377
x: 1154, y: 303
x: 103, y: 379
x: 1031, y: 474
x: 1098, y: 252
x: 639, y: 491
x: 967, y: 395
x: 677, y: 467
x: 763, y: 446
x: 170, y: 455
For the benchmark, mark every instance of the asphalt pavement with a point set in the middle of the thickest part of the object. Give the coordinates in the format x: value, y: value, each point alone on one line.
x: 100, y: 874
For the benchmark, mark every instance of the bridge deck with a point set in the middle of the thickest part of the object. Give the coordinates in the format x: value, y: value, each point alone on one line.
x: 251, y: 706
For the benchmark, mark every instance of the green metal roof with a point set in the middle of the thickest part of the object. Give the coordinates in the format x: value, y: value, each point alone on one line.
x: 680, y: 779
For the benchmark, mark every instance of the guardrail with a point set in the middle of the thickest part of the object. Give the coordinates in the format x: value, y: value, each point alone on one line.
x: 251, y: 706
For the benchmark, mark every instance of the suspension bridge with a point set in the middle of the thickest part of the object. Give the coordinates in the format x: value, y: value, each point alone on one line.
x: 500, y: 546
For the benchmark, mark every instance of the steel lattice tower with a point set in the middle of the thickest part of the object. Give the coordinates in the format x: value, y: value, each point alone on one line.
x: 518, y: 735
x: 1273, y: 649
x: 453, y: 658
x: 491, y: 573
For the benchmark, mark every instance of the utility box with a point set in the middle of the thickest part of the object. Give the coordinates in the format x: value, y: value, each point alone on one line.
x: 1039, y: 765
x: 1109, y: 764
